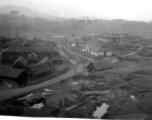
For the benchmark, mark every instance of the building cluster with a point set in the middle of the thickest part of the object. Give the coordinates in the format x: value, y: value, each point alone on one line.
x: 93, y: 47
x: 120, y: 37
x: 32, y: 54
x: 99, y: 45
x: 25, y: 63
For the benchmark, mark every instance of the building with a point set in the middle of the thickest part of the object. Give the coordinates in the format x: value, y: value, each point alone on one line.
x: 73, y: 44
x: 20, y: 63
x: 119, y: 37
x: 16, y: 75
x: 108, y: 53
x: 98, y: 50
x: 47, y: 60
x: 58, y: 60
x: 32, y: 58
x: 10, y: 55
x: 93, y: 46
x: 14, y: 43
x: 99, y: 66
x: 38, y: 71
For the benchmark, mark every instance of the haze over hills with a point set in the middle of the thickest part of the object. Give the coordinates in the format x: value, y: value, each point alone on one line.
x: 26, y: 11
x: 68, y: 26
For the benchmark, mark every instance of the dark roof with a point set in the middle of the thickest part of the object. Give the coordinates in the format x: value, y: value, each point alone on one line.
x: 95, y: 44
x: 111, y: 36
x: 29, y: 50
x: 22, y: 60
x: 58, y: 58
x: 32, y: 56
x: 14, y: 43
x: 46, y: 59
x: 40, y: 68
x: 102, y: 64
x: 10, y: 72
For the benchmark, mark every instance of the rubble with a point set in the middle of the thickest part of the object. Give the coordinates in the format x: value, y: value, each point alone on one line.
x: 38, y: 106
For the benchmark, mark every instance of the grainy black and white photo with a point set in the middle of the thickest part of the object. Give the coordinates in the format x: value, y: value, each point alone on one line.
x: 85, y: 59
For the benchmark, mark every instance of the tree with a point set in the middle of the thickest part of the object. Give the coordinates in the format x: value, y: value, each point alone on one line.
x: 14, y: 13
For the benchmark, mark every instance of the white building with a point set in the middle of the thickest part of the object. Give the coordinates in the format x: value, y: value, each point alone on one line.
x: 73, y: 44
x: 101, y: 53
x: 97, y: 53
x: 108, y: 53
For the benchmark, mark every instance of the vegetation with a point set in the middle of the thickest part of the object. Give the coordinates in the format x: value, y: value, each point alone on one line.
x: 14, y: 21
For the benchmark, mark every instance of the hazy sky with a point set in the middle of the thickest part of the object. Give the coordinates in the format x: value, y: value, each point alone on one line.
x: 108, y: 9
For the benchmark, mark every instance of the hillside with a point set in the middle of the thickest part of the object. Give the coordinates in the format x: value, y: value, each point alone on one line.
x: 25, y: 11
x: 26, y: 22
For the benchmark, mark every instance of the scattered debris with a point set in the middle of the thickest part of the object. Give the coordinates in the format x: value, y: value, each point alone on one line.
x: 100, y: 111
x: 38, y: 106
x: 48, y: 90
x: 72, y: 107
x: 134, y: 99
x: 97, y: 92
x: 75, y: 83
x: 29, y: 95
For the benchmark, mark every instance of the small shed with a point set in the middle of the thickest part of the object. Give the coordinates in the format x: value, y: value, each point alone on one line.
x: 20, y: 63
x: 99, y: 66
x: 38, y: 71
x: 16, y: 75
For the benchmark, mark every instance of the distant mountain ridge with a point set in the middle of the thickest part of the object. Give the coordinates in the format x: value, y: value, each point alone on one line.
x: 25, y: 11
x: 81, y: 26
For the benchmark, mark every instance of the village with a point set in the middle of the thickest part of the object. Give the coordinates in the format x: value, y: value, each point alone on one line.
x: 76, y: 77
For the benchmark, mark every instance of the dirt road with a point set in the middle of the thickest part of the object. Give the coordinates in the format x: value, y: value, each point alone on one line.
x: 10, y: 93
x: 133, y: 53
x: 77, y: 54
x: 76, y: 69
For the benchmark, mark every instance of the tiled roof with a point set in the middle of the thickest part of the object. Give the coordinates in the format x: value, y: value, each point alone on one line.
x: 22, y: 60
x: 32, y: 56
x: 94, y: 45
x: 102, y: 64
x: 29, y: 50
x: 46, y: 59
x: 10, y: 72
x: 40, y: 68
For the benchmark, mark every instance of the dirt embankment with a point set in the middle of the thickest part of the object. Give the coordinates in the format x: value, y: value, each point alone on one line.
x: 132, y: 64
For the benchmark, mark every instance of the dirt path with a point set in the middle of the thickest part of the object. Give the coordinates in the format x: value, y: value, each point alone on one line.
x: 133, y: 53
x: 77, y: 54
x: 63, y: 54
